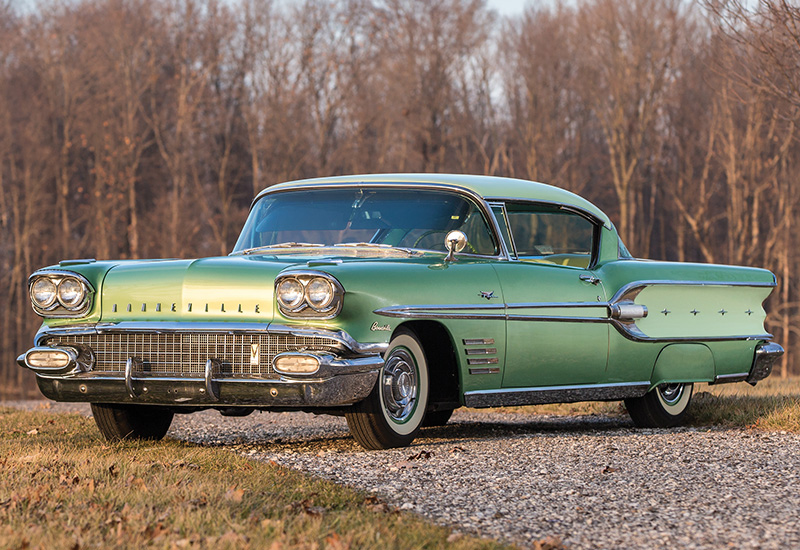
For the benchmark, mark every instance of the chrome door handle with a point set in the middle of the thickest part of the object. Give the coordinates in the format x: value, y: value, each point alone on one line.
x: 590, y: 279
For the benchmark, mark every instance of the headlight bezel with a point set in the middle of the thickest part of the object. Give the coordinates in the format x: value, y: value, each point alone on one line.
x: 60, y: 307
x: 46, y: 305
x: 306, y: 309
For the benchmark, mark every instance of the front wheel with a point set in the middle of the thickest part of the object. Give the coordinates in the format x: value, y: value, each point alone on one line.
x: 392, y: 413
x: 663, y: 407
x: 117, y: 422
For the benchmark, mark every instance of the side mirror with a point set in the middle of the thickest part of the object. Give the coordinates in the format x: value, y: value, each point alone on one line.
x: 454, y: 242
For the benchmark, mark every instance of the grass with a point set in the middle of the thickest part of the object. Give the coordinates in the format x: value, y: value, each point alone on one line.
x: 772, y: 405
x: 65, y: 488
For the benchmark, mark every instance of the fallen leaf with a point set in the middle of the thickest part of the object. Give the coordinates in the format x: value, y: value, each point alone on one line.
x: 374, y: 504
x: 235, y: 495
x: 137, y: 483
x: 113, y: 470
x: 306, y: 506
x: 273, y: 523
x: 32, y: 432
x: 609, y: 470
x: 335, y: 542
x: 201, y: 502
x: 422, y: 455
x: 232, y: 538
x: 155, y: 531
x: 549, y: 543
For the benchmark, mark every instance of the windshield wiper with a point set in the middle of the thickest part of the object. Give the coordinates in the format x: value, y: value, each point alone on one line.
x: 290, y: 244
x: 375, y: 245
x: 371, y: 245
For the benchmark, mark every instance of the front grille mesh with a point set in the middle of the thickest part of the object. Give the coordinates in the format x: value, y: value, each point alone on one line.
x: 187, y: 353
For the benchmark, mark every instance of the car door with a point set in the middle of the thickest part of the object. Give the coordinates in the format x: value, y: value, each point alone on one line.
x: 557, y: 330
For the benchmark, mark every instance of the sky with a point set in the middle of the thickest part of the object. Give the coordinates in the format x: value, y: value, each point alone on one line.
x: 508, y: 7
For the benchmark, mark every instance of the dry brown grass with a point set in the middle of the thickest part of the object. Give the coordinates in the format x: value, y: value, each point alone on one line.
x: 65, y: 488
x: 773, y: 404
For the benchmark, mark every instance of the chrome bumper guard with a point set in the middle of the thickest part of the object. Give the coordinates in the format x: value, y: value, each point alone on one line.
x: 339, y: 380
x: 766, y: 355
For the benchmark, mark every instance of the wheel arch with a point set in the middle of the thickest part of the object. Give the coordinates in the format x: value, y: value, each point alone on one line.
x: 443, y: 371
x: 683, y: 363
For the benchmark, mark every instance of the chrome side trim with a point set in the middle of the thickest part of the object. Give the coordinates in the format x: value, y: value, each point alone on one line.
x: 621, y: 312
x: 632, y: 332
x: 485, y: 370
x: 478, y: 341
x: 726, y: 378
x: 544, y: 305
x: 483, y: 361
x: 557, y: 319
x: 480, y: 351
x: 554, y: 394
x: 471, y: 311
x: 642, y: 284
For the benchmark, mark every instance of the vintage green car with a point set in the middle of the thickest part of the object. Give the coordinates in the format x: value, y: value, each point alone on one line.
x: 393, y: 300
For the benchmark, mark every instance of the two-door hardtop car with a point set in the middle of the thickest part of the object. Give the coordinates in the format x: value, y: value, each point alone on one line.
x: 393, y: 300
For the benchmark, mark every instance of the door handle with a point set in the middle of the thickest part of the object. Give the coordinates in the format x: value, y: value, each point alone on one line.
x: 590, y: 279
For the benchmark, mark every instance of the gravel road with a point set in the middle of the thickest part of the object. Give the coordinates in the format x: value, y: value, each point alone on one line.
x: 592, y: 481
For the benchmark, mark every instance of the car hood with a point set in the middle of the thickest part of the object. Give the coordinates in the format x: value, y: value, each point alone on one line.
x: 229, y: 289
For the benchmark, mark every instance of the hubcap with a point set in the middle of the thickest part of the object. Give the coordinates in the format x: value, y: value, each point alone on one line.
x: 671, y: 393
x: 399, y: 388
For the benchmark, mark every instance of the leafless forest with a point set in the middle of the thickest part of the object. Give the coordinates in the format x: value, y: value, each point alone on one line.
x: 142, y: 128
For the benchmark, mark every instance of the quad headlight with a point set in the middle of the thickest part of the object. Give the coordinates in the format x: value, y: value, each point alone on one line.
x: 309, y: 294
x: 59, y: 294
x: 44, y: 293
x: 319, y: 293
x: 290, y: 293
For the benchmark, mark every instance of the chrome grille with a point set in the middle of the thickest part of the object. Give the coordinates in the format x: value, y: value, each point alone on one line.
x: 187, y: 353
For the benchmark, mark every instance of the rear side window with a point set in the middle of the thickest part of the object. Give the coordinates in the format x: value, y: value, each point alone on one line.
x: 548, y: 234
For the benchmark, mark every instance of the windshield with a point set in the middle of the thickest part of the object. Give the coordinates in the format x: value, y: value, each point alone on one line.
x: 405, y: 218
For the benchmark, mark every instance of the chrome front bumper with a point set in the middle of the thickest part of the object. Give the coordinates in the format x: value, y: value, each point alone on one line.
x: 343, y: 389
x: 199, y: 370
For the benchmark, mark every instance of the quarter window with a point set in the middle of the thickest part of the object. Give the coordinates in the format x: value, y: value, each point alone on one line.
x: 549, y: 234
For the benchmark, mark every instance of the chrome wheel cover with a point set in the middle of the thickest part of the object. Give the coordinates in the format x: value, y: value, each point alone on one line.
x: 399, y: 386
x: 671, y: 393
x: 674, y: 398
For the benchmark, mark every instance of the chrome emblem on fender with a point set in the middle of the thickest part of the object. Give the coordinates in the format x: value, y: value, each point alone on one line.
x: 376, y: 327
x: 254, y: 354
x: 487, y: 295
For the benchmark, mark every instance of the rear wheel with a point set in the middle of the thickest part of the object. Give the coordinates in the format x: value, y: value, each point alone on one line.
x: 117, y: 422
x: 392, y: 413
x: 663, y: 407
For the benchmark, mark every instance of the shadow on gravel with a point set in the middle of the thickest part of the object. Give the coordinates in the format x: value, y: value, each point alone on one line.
x: 327, y: 438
